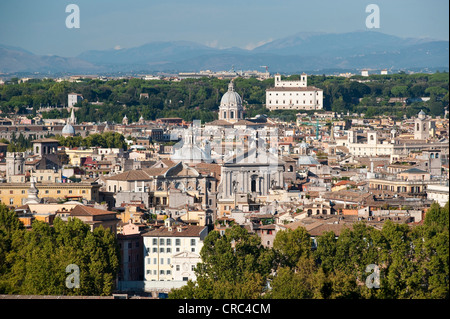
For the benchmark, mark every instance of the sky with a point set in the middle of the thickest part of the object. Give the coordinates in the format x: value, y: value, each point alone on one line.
x: 39, y: 26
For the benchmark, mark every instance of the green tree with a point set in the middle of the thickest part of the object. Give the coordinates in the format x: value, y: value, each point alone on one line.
x: 290, y: 245
x: 234, y: 265
x: 35, y: 261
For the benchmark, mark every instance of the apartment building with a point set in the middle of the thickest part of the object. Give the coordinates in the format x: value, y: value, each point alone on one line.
x: 173, y: 251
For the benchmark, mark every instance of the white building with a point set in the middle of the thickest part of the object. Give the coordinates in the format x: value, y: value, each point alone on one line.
x: 73, y: 98
x: 365, y: 72
x: 172, y: 251
x: 438, y: 193
x: 423, y: 127
x: 294, y: 95
x: 373, y: 146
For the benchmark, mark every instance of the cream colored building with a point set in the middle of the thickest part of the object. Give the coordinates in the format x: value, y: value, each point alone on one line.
x: 438, y: 193
x: 294, y: 95
x: 47, y: 175
x: 172, y: 251
x: 373, y: 147
x: 75, y: 155
x: 14, y: 194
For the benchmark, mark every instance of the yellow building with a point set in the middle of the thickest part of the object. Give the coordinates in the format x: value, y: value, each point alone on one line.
x: 76, y: 155
x: 14, y: 194
x: 47, y: 175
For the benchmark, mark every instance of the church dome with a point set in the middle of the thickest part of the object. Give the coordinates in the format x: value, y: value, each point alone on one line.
x: 421, y: 114
x: 231, y: 98
x: 68, y: 130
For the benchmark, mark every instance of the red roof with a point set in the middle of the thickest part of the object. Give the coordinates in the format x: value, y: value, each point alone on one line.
x: 81, y: 210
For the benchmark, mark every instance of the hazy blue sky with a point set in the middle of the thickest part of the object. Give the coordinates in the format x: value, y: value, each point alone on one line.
x: 39, y: 25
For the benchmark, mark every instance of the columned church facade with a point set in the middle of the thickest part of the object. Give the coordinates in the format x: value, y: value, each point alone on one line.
x: 247, y: 179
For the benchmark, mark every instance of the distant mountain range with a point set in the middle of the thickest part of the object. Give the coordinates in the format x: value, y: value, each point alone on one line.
x: 311, y: 52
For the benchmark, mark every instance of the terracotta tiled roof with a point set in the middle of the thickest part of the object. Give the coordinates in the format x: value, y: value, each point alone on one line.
x: 46, y: 140
x: 132, y: 175
x: 220, y: 123
x: 187, y: 231
x: 81, y: 210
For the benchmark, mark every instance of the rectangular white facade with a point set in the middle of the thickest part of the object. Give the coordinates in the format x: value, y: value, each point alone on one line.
x: 172, y: 257
x: 438, y: 193
x: 73, y: 99
x: 293, y: 95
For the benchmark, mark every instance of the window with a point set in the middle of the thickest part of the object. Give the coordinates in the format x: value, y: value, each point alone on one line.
x: 155, y: 241
x: 177, y: 242
x: 192, y: 267
x: 253, y: 185
x: 168, y: 272
x: 161, y: 250
x: 161, y: 272
x: 168, y: 261
x: 161, y: 241
x: 168, y: 241
x: 168, y: 250
x: 155, y: 250
x: 177, y: 267
x: 162, y: 261
x: 192, y: 242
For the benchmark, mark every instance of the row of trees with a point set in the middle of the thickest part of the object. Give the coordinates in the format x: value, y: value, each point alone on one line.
x: 413, y: 262
x: 105, y: 140
x: 33, y: 262
x: 18, y: 143
x: 200, y: 98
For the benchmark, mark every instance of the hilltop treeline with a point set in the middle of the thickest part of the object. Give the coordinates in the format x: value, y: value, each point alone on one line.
x: 200, y: 98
